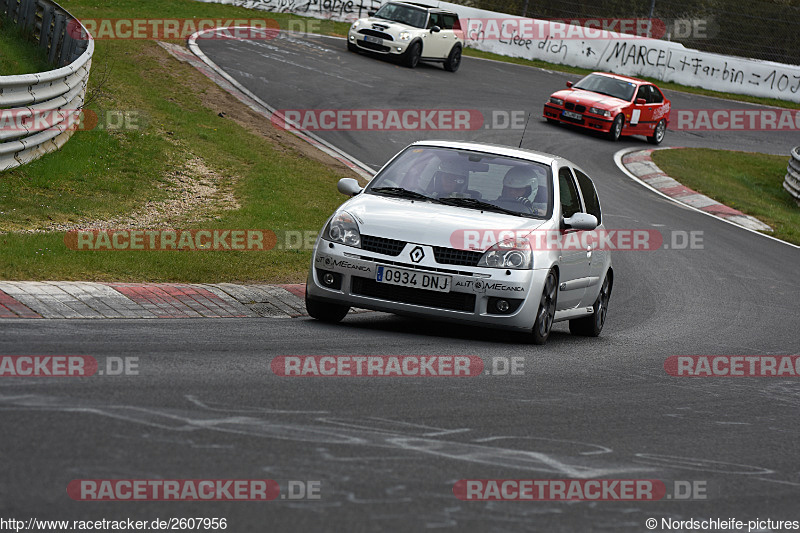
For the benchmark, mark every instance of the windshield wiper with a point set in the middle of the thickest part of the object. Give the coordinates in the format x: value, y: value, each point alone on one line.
x: 403, y: 193
x: 478, y: 204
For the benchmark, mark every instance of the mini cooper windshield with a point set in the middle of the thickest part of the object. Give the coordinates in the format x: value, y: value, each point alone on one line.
x: 607, y: 85
x: 469, y: 180
x: 403, y: 14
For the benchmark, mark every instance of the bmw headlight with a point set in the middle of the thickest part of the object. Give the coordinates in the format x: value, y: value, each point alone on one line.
x: 343, y: 229
x: 601, y: 112
x: 556, y: 101
x: 404, y: 35
x: 512, y: 253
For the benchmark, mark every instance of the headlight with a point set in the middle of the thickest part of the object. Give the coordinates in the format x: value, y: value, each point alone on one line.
x: 355, y: 25
x: 511, y: 253
x: 601, y: 112
x: 557, y: 101
x: 344, y: 230
x: 404, y: 35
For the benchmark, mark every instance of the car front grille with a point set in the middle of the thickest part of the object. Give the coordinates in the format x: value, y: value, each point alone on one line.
x: 454, y: 301
x: 373, y: 46
x: 375, y: 33
x: 572, y: 107
x: 454, y: 256
x: 380, y: 245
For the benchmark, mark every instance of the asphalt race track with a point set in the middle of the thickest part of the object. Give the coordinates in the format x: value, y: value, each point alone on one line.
x: 388, y: 450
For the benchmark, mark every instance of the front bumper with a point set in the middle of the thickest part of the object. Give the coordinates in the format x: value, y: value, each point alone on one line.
x: 592, y: 122
x: 385, y: 47
x: 473, y: 299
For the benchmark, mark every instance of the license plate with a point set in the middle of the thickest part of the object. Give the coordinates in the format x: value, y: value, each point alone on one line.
x: 571, y: 114
x: 371, y: 39
x: 413, y: 279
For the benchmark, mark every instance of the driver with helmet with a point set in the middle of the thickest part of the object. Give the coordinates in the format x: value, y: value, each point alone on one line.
x: 518, y: 185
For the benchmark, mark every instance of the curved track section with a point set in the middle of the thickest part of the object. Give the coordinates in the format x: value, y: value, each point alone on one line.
x: 388, y: 451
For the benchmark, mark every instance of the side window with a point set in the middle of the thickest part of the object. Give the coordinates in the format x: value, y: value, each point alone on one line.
x: 450, y: 22
x: 643, y: 93
x: 589, y: 195
x: 655, y: 95
x: 435, y: 20
x: 570, y: 204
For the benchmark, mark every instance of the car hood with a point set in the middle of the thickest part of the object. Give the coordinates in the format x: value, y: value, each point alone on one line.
x: 590, y: 99
x: 387, y: 26
x: 429, y: 223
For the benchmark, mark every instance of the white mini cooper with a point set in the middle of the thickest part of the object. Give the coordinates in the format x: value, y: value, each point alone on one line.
x: 467, y: 232
x: 411, y: 32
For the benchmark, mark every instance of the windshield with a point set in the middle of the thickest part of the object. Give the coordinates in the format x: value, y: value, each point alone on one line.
x: 468, y: 180
x: 609, y: 86
x: 403, y: 14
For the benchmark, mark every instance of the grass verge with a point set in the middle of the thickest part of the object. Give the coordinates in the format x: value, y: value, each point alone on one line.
x: 191, y: 137
x: 751, y: 183
x: 19, y: 55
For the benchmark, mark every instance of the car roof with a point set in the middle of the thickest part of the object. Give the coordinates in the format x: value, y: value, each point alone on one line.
x: 498, y: 149
x: 432, y: 9
x: 623, y: 78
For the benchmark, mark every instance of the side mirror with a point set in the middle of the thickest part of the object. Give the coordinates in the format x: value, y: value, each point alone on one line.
x: 641, y: 101
x: 569, y: 84
x: 371, y: 13
x: 436, y: 29
x: 348, y: 186
x: 582, y: 221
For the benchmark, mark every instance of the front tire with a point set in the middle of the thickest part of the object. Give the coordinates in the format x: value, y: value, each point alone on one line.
x: 547, y: 309
x: 413, y: 54
x: 658, y: 133
x: 454, y: 59
x: 592, y: 325
x: 352, y: 47
x: 616, y: 128
x: 324, y: 311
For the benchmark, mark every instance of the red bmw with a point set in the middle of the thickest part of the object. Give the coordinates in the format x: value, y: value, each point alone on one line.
x: 615, y: 105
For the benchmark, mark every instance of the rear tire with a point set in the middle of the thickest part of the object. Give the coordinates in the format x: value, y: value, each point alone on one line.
x: 592, y: 325
x: 324, y: 311
x: 547, y: 309
x: 412, y: 55
x: 658, y: 133
x: 616, y: 128
x: 453, y: 59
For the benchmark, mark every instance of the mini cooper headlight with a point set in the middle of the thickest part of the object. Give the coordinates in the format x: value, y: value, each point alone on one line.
x: 355, y: 25
x: 512, y: 253
x: 404, y: 35
x: 556, y: 101
x: 601, y: 112
x: 343, y: 229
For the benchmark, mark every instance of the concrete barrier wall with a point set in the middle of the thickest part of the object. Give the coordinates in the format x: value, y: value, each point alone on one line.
x: 580, y: 47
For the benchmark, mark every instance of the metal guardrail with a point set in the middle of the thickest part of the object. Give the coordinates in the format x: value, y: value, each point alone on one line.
x: 792, y: 181
x: 37, y: 110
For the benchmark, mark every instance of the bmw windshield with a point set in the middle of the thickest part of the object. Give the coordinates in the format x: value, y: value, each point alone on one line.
x: 608, y: 86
